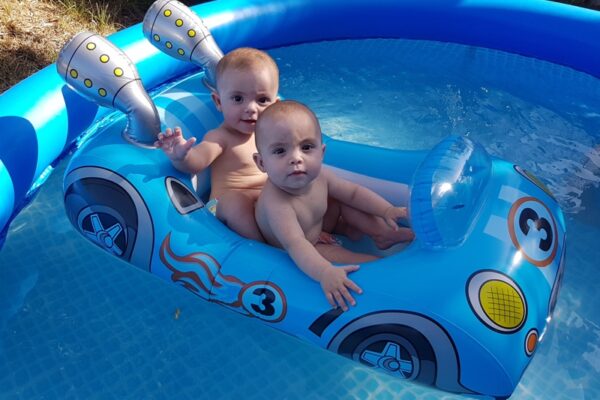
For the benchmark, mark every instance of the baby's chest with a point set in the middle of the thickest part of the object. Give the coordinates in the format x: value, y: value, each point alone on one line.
x: 239, y: 156
x: 311, y: 209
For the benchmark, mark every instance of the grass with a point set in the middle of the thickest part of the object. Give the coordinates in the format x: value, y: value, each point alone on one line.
x: 33, y: 32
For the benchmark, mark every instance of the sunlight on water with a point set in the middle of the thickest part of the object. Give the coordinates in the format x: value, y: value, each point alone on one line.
x: 415, y: 93
x: 76, y: 323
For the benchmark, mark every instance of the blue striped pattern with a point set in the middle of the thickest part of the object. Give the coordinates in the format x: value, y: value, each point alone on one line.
x: 80, y: 113
x: 18, y: 155
x: 7, y: 199
x: 19, y: 152
x: 422, y: 209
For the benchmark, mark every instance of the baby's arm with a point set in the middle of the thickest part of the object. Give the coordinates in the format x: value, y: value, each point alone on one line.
x: 182, y: 153
x: 334, y: 280
x: 364, y: 199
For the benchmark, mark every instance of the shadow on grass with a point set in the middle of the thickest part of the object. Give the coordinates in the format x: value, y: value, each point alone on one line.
x: 593, y: 4
x: 18, y: 60
x: 19, y: 63
x: 121, y: 12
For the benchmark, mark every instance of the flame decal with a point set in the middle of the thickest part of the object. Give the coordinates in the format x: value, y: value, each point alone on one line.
x: 184, y: 269
x: 200, y: 273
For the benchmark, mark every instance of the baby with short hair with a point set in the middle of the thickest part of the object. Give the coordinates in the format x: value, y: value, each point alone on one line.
x: 291, y: 207
x: 247, y: 81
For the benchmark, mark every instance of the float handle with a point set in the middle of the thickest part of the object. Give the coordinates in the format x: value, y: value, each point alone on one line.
x: 177, y: 31
x: 102, y: 73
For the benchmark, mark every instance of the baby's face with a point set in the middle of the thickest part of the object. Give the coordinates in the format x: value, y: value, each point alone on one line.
x: 244, y: 95
x: 291, y: 151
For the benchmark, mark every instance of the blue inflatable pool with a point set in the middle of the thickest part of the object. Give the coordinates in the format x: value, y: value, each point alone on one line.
x: 490, y: 233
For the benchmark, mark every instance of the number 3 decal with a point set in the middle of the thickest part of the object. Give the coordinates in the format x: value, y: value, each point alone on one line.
x: 264, y: 300
x: 533, y: 231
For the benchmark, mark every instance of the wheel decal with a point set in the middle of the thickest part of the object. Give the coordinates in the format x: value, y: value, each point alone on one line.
x: 108, y: 238
x: 394, y: 359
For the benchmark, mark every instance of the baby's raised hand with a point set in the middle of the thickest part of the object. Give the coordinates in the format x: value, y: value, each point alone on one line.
x: 393, y: 214
x: 173, y: 144
x: 335, y: 283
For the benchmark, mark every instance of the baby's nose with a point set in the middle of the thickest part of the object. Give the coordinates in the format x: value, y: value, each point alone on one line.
x: 296, y: 157
x: 252, y: 107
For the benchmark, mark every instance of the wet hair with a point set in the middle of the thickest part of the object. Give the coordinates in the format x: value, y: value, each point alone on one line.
x: 246, y: 58
x: 282, y: 109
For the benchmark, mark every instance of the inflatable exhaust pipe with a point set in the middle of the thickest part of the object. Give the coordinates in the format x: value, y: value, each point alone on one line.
x: 177, y: 31
x: 101, y: 72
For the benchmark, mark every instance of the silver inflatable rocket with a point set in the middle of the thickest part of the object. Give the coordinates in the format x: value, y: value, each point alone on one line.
x: 99, y: 71
x: 177, y: 31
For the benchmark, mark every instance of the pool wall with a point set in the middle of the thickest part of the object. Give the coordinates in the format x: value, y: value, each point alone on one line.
x: 41, y: 118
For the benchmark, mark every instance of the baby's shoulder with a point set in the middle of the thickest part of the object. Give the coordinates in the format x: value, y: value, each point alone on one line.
x: 272, y: 194
x: 325, y: 178
x: 218, y: 135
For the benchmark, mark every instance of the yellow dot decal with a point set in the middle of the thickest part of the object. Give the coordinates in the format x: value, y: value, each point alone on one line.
x: 181, y: 52
x: 156, y: 38
x: 104, y: 58
x: 74, y: 73
x: 90, y: 46
x: 167, y: 13
x: 102, y: 92
x: 87, y: 83
x: 179, y: 22
x: 191, y: 33
x: 169, y: 45
x: 118, y: 72
x: 502, y: 304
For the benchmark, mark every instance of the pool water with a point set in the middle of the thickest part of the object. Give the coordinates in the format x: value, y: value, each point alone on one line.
x: 77, y: 323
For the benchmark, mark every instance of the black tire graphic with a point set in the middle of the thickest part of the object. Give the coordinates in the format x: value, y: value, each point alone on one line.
x: 107, y: 210
x: 375, y: 346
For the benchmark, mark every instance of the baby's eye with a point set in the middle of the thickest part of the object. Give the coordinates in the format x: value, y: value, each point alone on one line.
x: 264, y: 100
x: 237, y: 99
x: 278, y: 151
x: 308, y: 147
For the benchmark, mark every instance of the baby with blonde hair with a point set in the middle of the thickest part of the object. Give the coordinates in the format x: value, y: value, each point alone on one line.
x: 247, y: 81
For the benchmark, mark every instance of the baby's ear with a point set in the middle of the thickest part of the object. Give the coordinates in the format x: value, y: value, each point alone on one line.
x: 323, y: 149
x: 258, y: 161
x: 216, y: 99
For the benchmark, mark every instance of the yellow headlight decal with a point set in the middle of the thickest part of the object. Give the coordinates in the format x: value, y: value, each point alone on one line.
x: 497, y: 301
x: 502, y: 304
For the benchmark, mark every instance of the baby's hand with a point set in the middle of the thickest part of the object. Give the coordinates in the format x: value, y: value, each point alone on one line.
x: 335, y: 283
x: 173, y: 144
x: 393, y: 214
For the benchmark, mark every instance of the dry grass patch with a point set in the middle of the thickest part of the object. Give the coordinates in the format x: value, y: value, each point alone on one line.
x: 33, y: 32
